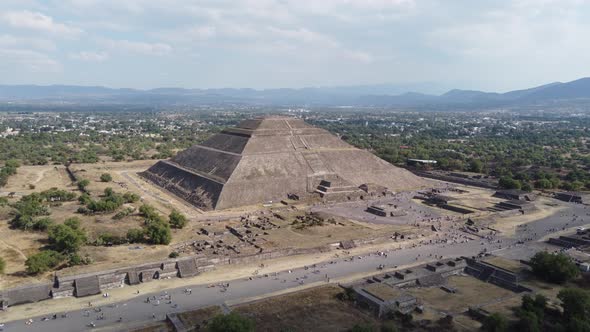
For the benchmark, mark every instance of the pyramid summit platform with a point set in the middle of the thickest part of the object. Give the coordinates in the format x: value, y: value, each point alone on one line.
x: 268, y: 159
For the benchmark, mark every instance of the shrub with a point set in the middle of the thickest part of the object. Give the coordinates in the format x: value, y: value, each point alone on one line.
x: 135, y: 235
x: 82, y: 184
x: 173, y: 254
x: 130, y: 197
x: 124, y: 213
x: 42, y: 224
x: 177, y: 219
x: 43, y: 261
x: 109, y: 240
x: 2, y: 265
x: 106, y: 177
x: 148, y: 212
x: 75, y: 259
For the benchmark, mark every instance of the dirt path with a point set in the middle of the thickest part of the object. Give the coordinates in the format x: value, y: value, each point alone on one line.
x: 17, y: 250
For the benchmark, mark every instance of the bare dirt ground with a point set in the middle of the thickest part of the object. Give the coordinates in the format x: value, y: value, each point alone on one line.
x: 544, y: 208
x: 315, y: 309
x: 41, y: 177
x: 475, y: 198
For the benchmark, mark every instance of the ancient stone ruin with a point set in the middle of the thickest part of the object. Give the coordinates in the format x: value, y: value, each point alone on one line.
x: 268, y: 159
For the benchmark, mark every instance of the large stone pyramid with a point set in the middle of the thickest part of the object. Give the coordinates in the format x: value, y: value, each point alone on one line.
x: 267, y: 159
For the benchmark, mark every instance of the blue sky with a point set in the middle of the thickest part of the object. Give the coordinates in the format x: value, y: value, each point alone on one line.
x: 472, y: 44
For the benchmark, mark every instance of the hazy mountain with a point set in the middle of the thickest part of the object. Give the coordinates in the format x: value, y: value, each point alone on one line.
x: 362, y: 95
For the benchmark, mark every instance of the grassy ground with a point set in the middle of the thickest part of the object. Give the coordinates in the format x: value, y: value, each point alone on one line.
x: 199, y: 317
x: 470, y: 292
x: 316, y: 309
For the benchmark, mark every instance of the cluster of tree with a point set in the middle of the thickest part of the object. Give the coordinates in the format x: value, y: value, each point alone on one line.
x: 553, y: 267
x: 123, y: 213
x: 7, y: 170
x: 156, y: 229
x: 534, y: 315
x: 535, y: 155
x: 58, y: 195
x: 39, y: 144
x: 29, y: 213
x: 109, y: 202
x: 64, y: 242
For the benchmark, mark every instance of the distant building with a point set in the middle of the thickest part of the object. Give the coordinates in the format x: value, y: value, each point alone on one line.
x: 572, y: 197
x: 515, y: 195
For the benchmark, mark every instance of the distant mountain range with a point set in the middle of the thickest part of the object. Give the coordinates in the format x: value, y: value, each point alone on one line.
x: 383, y: 95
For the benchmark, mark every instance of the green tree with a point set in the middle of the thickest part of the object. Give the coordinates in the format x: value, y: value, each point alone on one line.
x: 82, y: 184
x: 231, y: 322
x: 575, y: 303
x: 177, y: 219
x: 106, y: 177
x: 158, y: 232
x: 68, y: 237
x: 108, y: 192
x: 508, y: 182
x: 43, y: 261
x: 2, y: 265
x: 135, y: 235
x: 528, y: 322
x: 495, y: 323
x: 557, y: 268
x: 527, y: 187
x: 149, y: 213
x: 476, y: 165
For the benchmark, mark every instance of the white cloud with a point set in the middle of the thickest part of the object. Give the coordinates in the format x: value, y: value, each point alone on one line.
x: 38, y: 22
x: 29, y: 60
x: 157, y: 49
x: 89, y: 56
x: 11, y: 41
x: 302, y: 35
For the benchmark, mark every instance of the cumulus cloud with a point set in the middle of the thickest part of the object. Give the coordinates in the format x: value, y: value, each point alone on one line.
x: 36, y: 21
x: 89, y: 56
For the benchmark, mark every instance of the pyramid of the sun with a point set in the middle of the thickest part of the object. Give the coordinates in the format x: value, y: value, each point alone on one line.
x: 266, y: 159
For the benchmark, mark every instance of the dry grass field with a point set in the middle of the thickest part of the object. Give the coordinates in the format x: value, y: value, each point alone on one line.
x: 199, y: 317
x: 316, y: 309
x: 17, y: 245
x: 470, y: 292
